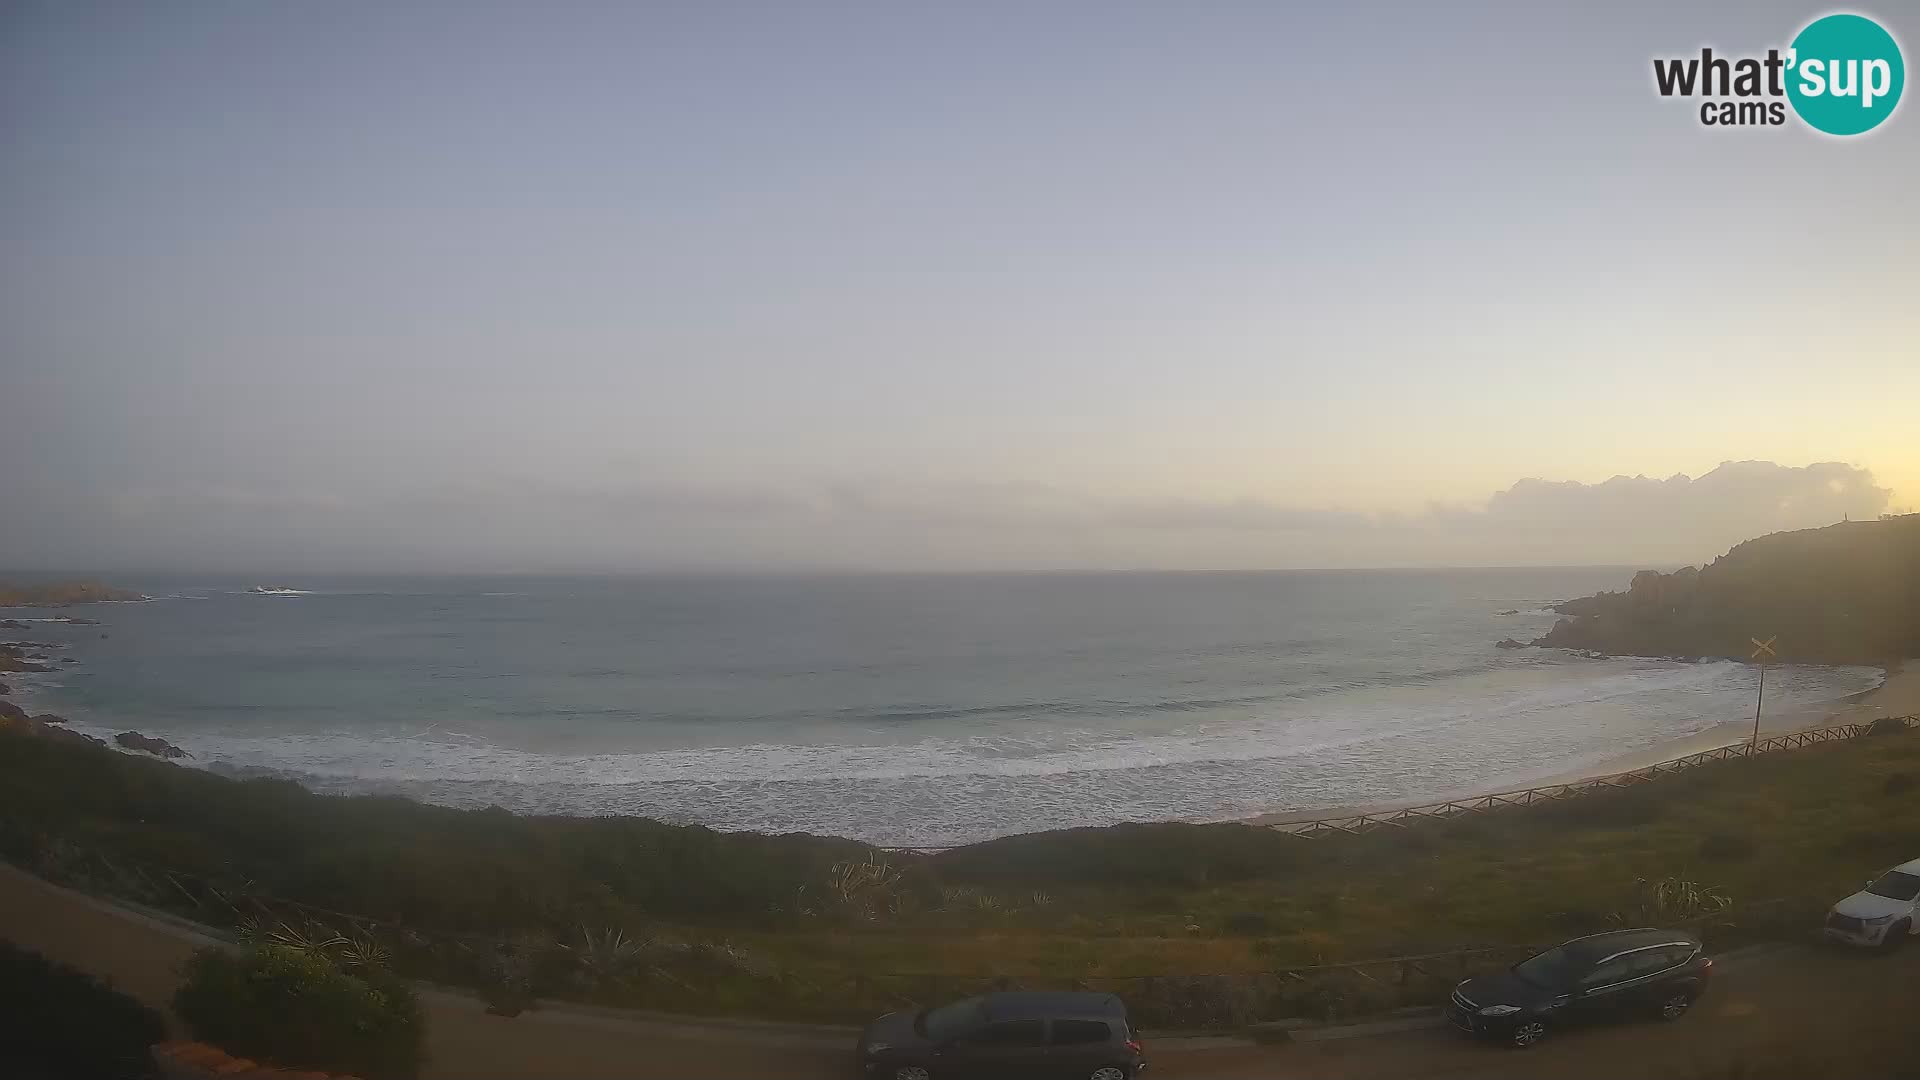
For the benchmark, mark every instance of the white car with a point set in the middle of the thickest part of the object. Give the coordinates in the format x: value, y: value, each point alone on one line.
x: 1884, y: 913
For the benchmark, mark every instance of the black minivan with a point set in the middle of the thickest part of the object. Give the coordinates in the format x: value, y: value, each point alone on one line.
x: 1656, y: 973
x: 1015, y: 1036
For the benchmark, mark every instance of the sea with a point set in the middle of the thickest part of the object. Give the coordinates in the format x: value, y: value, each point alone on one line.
x: 909, y: 710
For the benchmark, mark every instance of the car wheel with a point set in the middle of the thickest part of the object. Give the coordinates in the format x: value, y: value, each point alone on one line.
x: 1109, y: 1072
x: 911, y: 1072
x: 1676, y: 1005
x: 1897, y: 935
x: 1527, y: 1033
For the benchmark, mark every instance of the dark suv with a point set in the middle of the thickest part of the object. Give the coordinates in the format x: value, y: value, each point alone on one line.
x: 1652, y: 972
x: 1013, y: 1036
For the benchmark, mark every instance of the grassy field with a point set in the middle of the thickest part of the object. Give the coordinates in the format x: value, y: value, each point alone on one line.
x: 626, y: 911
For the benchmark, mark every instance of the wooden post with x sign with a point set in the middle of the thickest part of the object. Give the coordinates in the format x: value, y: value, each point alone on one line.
x: 1762, y: 651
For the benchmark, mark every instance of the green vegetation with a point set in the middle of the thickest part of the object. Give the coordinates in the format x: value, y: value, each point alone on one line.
x: 58, y: 1022
x: 62, y: 594
x: 292, y: 1006
x: 634, y: 912
x: 1845, y: 594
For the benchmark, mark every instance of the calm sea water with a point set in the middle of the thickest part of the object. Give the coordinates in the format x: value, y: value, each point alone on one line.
x: 898, y: 709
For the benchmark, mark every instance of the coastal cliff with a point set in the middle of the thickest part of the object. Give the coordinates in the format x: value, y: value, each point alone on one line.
x: 62, y: 594
x: 1844, y: 594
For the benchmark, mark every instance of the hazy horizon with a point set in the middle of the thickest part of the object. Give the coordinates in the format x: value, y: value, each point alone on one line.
x: 574, y: 288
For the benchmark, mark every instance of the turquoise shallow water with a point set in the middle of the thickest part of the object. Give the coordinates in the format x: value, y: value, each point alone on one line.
x: 900, y: 709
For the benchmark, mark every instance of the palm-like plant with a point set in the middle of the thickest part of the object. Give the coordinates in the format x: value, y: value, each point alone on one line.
x: 865, y: 887
x: 609, y: 955
x: 307, y: 936
x: 360, y: 952
x: 1674, y: 900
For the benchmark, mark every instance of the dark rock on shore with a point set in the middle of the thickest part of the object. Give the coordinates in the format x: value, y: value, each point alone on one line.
x: 63, y: 735
x: 46, y: 726
x: 12, y: 624
x: 133, y: 740
x: 68, y: 660
x: 11, y: 659
x: 5, y: 689
x: 1844, y: 594
x: 1509, y: 611
x: 1509, y: 643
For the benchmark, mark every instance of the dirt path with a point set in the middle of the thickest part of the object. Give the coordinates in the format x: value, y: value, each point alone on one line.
x: 1795, y: 999
x: 1801, y: 996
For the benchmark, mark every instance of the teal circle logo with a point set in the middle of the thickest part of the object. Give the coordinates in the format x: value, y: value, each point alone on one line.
x: 1845, y: 74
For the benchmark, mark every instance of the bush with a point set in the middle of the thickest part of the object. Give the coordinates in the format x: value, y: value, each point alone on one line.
x: 295, y: 1009
x: 58, y: 1022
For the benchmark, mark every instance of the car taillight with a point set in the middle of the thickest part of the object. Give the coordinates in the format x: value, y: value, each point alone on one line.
x: 1134, y: 1045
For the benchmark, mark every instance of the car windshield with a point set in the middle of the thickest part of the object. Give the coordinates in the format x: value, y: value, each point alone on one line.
x: 1552, y: 969
x: 949, y: 1021
x: 1896, y: 886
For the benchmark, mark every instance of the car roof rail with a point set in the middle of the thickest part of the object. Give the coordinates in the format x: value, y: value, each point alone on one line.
x: 1608, y: 933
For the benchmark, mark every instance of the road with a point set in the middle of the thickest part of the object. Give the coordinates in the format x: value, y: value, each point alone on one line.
x: 1797, y: 997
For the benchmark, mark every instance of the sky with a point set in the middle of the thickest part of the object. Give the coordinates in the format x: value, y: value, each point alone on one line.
x: 563, y: 287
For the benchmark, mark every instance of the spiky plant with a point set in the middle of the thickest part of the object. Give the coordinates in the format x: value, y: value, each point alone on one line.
x: 864, y: 888
x: 360, y: 952
x: 608, y: 955
x: 1668, y: 900
x: 305, y: 936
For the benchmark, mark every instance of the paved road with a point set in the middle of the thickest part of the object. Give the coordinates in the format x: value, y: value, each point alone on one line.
x: 1797, y: 996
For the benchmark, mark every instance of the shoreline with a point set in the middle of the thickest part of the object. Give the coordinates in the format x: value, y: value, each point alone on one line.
x: 1897, y: 695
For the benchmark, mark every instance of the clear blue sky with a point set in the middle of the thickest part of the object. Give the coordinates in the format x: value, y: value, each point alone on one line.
x: 523, y: 286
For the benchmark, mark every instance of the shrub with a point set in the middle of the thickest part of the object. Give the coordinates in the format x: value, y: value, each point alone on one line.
x: 297, y: 1010
x: 1670, y: 901
x: 60, y: 1022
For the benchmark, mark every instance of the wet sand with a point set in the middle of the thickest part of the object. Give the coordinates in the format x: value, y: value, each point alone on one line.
x: 1899, y: 695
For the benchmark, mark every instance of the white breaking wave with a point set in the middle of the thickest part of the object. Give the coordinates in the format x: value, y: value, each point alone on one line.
x: 1320, y: 752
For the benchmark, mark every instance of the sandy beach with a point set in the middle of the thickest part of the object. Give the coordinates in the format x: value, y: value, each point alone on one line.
x: 1899, y: 695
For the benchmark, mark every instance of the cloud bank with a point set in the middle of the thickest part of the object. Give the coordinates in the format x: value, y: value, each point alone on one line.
x: 536, y: 525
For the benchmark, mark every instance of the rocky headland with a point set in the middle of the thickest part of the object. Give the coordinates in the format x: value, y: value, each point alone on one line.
x: 63, y: 594
x: 1844, y: 594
